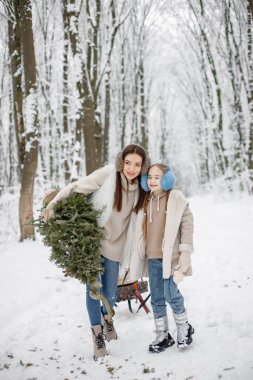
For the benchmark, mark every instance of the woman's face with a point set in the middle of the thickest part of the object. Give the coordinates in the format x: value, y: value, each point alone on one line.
x: 132, y: 166
x: 154, y: 178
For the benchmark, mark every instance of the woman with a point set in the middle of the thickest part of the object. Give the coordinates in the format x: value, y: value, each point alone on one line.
x: 116, y: 190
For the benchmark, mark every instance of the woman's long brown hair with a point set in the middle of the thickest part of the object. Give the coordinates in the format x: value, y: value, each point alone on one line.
x: 130, y: 149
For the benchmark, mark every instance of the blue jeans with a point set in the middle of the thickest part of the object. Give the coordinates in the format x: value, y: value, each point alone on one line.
x: 163, y: 290
x: 109, y: 281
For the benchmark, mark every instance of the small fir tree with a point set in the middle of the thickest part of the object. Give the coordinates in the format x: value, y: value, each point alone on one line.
x: 75, y: 240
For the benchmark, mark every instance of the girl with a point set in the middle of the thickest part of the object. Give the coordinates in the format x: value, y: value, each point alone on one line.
x: 116, y: 190
x: 168, y: 236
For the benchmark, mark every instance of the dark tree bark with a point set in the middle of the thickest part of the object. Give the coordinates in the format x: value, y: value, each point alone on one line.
x: 14, y: 41
x: 143, y: 121
x: 250, y: 90
x: 65, y: 104
x: 86, y: 113
x: 30, y: 159
x: 221, y: 158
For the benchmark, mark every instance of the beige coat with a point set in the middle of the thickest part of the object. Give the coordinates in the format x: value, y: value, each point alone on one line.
x: 178, y: 237
x: 101, y: 184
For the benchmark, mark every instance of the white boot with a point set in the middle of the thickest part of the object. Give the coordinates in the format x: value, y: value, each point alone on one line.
x: 184, y: 330
x: 163, y: 338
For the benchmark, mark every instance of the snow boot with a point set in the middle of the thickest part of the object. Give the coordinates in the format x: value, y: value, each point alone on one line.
x: 109, y: 329
x: 98, y: 342
x: 184, y: 330
x: 163, y: 338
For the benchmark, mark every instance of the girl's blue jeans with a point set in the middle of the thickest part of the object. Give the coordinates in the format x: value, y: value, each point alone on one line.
x: 163, y: 290
x: 109, y: 282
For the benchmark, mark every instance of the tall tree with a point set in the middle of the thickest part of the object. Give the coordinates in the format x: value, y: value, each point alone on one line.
x: 217, y: 103
x: 28, y: 137
x: 14, y: 42
x: 66, y: 144
x: 85, y: 114
x: 250, y: 85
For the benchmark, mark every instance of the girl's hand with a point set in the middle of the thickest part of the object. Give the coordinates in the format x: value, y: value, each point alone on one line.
x: 184, y: 262
x: 178, y: 277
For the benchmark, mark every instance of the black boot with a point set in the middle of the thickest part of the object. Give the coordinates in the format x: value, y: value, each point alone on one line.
x: 155, y: 346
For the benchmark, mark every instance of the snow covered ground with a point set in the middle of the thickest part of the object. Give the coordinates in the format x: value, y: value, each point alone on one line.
x: 44, y: 329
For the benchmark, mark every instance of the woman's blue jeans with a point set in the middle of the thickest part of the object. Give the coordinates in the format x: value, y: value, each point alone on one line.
x: 109, y: 282
x: 163, y: 290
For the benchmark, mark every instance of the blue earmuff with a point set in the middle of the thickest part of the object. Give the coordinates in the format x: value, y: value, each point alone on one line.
x: 144, y: 182
x: 167, y: 181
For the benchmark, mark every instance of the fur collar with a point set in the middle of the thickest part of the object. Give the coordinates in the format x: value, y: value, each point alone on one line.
x: 103, y: 198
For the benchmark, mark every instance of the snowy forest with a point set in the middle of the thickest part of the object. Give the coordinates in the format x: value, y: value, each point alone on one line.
x: 80, y: 79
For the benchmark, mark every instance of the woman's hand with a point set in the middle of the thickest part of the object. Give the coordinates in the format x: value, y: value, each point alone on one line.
x: 46, y: 215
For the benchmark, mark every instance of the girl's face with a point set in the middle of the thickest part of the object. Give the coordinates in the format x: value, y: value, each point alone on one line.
x: 154, y: 178
x: 132, y: 166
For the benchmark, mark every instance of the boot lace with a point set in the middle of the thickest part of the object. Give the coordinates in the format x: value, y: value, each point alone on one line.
x: 99, y: 340
x: 109, y: 326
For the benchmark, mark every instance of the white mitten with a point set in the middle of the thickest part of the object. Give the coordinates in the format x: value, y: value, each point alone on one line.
x: 184, y: 262
x: 178, y: 277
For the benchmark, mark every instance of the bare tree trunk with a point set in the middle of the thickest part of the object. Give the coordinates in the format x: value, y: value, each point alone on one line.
x: 29, y: 164
x: 16, y: 76
x: 48, y: 158
x: 95, y: 75
x: 139, y: 102
x: 143, y: 127
x: 134, y: 134
x: 108, y: 86
x: 123, y: 97
x: 71, y: 35
x: 92, y: 129
x: 86, y: 113
x: 220, y: 153
x: 5, y: 173
x: 66, y: 142
x: 236, y: 78
x: 250, y: 90
x: 107, y: 118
